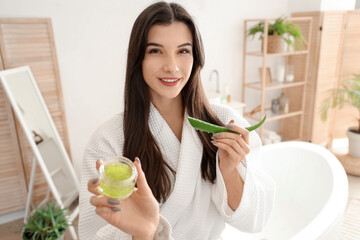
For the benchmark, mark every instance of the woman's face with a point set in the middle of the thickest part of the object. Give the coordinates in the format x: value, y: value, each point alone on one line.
x: 168, y: 60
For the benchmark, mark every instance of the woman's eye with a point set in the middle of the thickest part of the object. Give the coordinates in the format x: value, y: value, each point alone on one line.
x: 184, y: 51
x: 154, y: 51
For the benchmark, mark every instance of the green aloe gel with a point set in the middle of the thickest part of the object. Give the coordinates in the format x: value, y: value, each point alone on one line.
x: 117, y: 178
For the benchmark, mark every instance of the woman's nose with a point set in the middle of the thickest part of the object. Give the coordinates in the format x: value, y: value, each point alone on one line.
x: 171, y: 65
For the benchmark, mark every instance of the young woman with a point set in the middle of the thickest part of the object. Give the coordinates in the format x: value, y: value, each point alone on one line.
x: 190, y: 182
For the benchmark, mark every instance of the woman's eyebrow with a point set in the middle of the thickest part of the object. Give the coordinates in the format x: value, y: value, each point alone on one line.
x: 159, y: 45
x: 154, y: 44
x: 184, y: 45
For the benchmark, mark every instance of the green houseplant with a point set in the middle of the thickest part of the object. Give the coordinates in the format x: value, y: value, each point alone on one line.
x: 48, y: 222
x: 348, y: 94
x: 277, y: 31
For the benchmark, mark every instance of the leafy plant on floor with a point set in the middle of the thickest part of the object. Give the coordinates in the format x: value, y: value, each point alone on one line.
x: 348, y: 94
x: 46, y: 223
x: 288, y: 30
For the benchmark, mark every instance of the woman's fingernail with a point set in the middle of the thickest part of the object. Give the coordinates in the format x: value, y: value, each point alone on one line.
x: 113, y: 201
x: 94, y: 180
x: 232, y: 121
x: 230, y: 126
x: 214, y: 142
x: 138, y: 159
x: 116, y: 209
x: 216, y: 135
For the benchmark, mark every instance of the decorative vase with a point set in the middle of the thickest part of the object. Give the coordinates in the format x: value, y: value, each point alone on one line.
x: 354, y: 142
x: 274, y: 44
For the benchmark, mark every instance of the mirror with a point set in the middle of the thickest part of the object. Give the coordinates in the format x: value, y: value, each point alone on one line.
x: 39, y: 128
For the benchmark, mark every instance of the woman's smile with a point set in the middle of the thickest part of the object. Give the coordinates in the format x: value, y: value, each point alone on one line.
x: 169, y: 82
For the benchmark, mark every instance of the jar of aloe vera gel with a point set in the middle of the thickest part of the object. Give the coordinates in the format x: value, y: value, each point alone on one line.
x: 118, y: 176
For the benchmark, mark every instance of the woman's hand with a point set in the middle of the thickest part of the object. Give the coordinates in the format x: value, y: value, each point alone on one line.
x: 233, y: 148
x: 137, y: 215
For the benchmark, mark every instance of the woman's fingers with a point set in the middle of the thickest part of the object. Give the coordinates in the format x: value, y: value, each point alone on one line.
x: 243, y: 132
x: 241, y: 149
x: 93, y: 184
x: 99, y: 162
x: 236, y: 156
x: 106, y: 211
x: 101, y: 200
x: 236, y: 139
x: 142, y: 184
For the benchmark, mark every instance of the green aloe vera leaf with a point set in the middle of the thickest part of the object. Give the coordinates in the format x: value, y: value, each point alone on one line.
x: 212, y: 128
x: 207, y: 127
x: 253, y: 127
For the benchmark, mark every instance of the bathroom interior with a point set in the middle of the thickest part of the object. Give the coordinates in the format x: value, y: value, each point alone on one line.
x: 78, y: 61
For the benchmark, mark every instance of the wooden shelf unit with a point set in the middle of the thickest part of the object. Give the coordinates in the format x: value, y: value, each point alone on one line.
x: 260, y: 54
x: 264, y: 87
x: 272, y: 117
x: 274, y: 85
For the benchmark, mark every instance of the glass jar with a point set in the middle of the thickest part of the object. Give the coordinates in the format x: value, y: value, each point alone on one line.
x: 275, y: 106
x: 118, y: 176
x: 284, y: 103
x: 290, y: 74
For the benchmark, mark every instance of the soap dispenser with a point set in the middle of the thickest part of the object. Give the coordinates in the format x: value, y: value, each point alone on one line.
x: 227, y: 94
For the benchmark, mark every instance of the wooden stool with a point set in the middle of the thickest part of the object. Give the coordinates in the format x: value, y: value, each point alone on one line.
x: 350, y: 163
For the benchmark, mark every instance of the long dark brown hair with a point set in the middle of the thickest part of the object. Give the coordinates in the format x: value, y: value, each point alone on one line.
x: 139, y: 142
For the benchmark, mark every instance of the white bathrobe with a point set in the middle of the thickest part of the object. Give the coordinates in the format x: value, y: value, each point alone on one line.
x: 195, y: 209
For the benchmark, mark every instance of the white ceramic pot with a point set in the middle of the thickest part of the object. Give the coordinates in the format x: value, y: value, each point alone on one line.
x: 354, y: 142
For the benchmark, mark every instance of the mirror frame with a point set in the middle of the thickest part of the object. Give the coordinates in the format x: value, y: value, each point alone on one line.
x: 27, y: 131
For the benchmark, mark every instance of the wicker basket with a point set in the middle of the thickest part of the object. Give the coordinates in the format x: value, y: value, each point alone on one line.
x: 274, y: 44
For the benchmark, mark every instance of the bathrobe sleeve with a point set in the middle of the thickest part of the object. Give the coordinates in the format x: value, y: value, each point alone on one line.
x: 258, y: 193
x: 104, y: 143
x: 92, y: 226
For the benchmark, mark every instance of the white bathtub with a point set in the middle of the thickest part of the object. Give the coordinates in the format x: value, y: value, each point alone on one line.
x: 311, y: 193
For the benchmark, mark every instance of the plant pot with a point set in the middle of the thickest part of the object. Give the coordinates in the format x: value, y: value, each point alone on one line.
x: 354, y: 142
x: 274, y: 44
x: 60, y: 238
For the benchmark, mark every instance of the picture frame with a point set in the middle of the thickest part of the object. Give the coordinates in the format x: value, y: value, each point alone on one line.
x: 268, y: 79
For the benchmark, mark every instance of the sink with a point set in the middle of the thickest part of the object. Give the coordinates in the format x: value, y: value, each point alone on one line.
x: 213, y: 97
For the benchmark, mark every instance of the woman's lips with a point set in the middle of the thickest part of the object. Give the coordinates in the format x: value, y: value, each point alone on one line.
x: 169, y: 81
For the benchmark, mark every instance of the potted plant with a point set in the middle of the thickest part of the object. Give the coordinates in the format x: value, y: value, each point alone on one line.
x: 47, y: 222
x: 278, y: 31
x: 349, y: 94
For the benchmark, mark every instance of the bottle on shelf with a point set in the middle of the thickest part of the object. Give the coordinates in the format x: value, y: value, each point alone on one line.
x: 284, y: 103
x: 227, y: 94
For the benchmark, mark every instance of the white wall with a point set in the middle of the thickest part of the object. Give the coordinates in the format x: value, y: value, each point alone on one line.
x: 320, y: 5
x: 304, y: 5
x: 333, y: 5
x: 91, y: 38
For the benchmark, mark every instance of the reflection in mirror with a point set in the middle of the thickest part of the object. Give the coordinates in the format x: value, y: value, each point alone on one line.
x: 39, y: 128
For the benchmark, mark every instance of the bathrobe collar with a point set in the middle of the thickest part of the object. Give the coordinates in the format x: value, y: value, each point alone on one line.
x: 186, y: 156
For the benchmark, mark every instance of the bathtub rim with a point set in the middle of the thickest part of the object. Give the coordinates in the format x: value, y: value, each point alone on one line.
x: 335, y: 205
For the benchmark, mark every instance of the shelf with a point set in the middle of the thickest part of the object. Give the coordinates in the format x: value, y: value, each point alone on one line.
x: 295, y: 89
x: 274, y: 19
x: 260, y: 54
x: 274, y: 85
x: 271, y: 116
